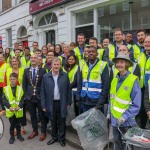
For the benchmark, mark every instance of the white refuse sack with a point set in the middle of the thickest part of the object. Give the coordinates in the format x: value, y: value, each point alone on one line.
x: 92, y: 129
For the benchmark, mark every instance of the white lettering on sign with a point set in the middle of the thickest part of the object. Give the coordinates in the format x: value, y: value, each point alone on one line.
x: 45, y: 2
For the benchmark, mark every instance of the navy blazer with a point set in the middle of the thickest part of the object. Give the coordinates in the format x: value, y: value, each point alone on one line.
x: 47, y: 93
x: 28, y: 88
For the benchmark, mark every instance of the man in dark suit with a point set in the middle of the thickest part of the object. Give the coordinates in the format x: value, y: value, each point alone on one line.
x: 55, y: 98
x: 31, y: 85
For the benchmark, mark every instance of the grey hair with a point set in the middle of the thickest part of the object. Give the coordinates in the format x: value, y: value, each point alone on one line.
x: 56, y: 59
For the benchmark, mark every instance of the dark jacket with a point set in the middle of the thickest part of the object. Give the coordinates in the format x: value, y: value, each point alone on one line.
x: 28, y: 88
x: 146, y: 100
x: 47, y: 93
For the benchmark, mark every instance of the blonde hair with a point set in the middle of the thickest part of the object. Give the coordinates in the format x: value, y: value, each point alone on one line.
x: 16, y: 58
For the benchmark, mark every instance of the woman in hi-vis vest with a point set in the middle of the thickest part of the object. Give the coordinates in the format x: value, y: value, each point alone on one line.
x: 125, y: 98
x: 15, y: 68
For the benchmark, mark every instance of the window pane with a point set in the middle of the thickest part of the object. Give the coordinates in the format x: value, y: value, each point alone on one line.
x: 84, y: 17
x: 42, y: 22
x: 54, y: 18
x: 48, y: 18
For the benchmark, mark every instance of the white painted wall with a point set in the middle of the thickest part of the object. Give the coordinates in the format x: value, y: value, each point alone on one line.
x: 15, y: 18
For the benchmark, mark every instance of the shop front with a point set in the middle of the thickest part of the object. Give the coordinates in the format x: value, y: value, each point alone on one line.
x: 100, y: 18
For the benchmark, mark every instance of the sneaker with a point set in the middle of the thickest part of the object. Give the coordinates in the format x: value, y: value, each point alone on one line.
x: 20, y: 138
x: 11, y: 140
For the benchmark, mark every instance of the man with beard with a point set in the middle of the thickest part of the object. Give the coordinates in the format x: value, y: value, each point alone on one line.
x: 141, y: 35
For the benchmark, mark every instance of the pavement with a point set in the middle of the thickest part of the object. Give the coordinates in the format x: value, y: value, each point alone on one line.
x: 33, y: 144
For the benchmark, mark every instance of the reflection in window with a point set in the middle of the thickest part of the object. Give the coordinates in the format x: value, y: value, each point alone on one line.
x: 113, y: 9
x: 144, y: 3
x: 101, y: 12
x: 84, y: 17
x: 48, y: 19
x: 125, y: 6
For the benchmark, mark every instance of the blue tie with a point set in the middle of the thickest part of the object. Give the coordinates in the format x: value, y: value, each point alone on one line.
x: 34, y: 76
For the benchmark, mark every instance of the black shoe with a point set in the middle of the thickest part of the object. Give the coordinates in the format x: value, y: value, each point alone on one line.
x: 51, y: 141
x: 62, y: 143
x: 11, y: 140
x: 20, y: 138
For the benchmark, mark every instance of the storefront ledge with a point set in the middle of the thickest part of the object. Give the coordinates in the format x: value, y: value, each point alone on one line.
x: 71, y: 136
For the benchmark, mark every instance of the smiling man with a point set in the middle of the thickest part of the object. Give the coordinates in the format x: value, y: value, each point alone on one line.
x: 31, y: 85
x: 55, y: 98
x: 94, y: 82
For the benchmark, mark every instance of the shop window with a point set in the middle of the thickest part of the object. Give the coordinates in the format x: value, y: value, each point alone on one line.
x: 9, y: 37
x: 125, y: 24
x: 48, y: 19
x: 85, y: 17
x: 125, y: 6
x: 113, y: 9
x: 100, y: 12
x: 144, y: 3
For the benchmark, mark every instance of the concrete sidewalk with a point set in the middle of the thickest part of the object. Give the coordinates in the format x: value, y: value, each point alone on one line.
x: 71, y: 135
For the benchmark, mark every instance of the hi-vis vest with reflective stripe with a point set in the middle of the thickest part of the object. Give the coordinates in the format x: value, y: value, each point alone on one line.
x: 131, y: 69
x: 136, y: 51
x: 20, y: 75
x: 24, y: 63
x: 100, y: 53
x: 147, y: 72
x: 91, y: 81
x: 71, y: 74
x: 78, y: 53
x: 121, y: 100
x: 13, y: 101
x: 112, y: 51
x: 82, y: 62
x: 141, y: 62
x: 3, y: 70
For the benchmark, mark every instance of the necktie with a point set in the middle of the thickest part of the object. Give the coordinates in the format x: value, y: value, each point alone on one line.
x: 34, y: 76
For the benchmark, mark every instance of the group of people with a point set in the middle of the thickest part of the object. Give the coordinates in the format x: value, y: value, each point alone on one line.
x: 90, y: 75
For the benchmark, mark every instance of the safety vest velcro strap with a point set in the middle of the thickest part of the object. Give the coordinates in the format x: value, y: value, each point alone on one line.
x: 119, y: 109
x: 147, y: 72
x: 12, y: 102
x: 74, y: 89
x: 94, y: 90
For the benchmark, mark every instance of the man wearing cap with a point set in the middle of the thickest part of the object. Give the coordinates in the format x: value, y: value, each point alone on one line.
x: 125, y: 98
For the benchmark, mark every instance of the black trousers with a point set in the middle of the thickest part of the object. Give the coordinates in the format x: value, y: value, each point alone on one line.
x: 142, y: 116
x: 15, y: 123
x: 58, y: 123
x: 34, y: 105
x: 24, y: 119
x: 1, y: 100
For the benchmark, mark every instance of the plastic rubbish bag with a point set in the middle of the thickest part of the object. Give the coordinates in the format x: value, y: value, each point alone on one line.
x: 92, y: 129
x: 71, y: 112
x: 138, y: 137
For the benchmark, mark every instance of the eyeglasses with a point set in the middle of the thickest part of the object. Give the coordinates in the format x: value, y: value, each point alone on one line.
x: 118, y: 34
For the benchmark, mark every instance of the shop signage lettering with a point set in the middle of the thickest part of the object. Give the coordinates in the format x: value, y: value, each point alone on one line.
x: 41, y: 5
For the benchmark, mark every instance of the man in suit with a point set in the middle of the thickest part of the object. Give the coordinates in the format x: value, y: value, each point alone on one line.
x: 55, y: 98
x: 31, y: 85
